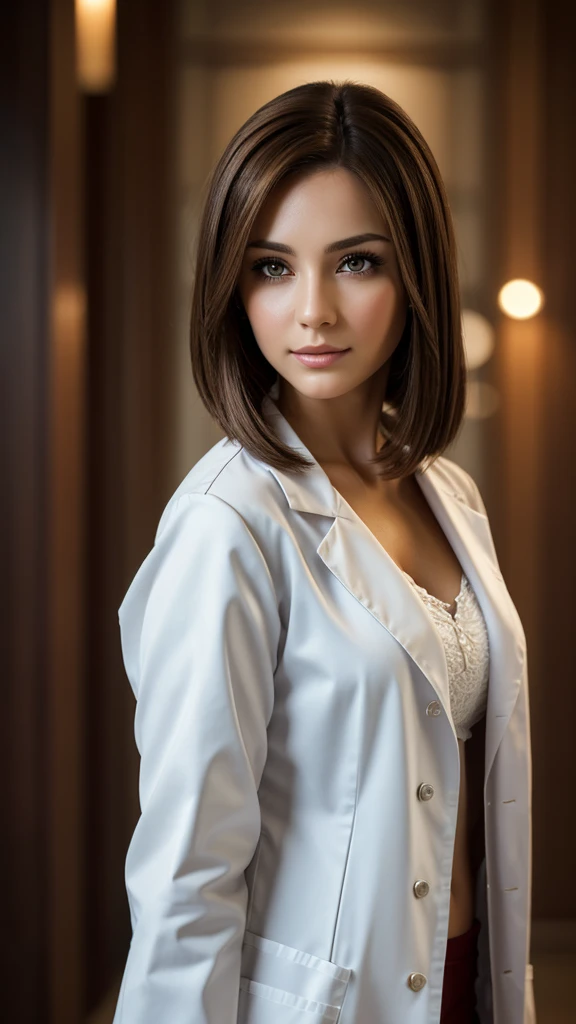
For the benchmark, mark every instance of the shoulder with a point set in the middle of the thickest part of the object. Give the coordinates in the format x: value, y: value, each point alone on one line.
x: 220, y: 522
x: 459, y: 482
x: 229, y: 483
x: 207, y: 551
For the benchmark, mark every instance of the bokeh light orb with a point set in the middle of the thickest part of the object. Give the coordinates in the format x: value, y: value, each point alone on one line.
x: 478, y: 337
x: 520, y: 299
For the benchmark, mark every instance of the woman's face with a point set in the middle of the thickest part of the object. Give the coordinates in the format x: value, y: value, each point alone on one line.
x: 296, y: 294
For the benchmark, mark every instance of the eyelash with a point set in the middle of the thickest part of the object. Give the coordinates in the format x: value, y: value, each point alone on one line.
x: 374, y: 259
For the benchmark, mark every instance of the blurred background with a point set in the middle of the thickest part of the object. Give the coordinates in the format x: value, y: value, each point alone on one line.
x: 112, y: 118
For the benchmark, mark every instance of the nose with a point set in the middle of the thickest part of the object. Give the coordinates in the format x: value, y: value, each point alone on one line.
x: 315, y: 304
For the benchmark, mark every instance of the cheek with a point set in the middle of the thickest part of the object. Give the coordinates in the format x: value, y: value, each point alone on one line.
x: 372, y: 310
x: 269, y: 320
x: 267, y: 310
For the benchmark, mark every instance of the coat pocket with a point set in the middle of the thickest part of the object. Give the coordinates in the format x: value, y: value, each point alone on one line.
x: 280, y: 984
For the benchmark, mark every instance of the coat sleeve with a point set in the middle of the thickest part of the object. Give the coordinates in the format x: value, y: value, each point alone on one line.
x: 199, y: 630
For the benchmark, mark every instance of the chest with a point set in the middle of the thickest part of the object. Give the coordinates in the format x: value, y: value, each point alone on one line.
x: 408, y: 531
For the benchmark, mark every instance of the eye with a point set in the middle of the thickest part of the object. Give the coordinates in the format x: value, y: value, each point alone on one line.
x: 267, y: 261
x: 363, y: 257
x: 275, y: 265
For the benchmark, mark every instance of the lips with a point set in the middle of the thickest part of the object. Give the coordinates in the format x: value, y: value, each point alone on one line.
x: 319, y: 358
x: 314, y: 350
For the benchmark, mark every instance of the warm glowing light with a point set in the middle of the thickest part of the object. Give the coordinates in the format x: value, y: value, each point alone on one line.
x: 96, y: 44
x: 520, y: 299
x: 69, y: 306
x: 478, y: 336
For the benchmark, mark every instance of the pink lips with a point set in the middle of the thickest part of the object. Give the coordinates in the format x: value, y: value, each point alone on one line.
x: 318, y: 359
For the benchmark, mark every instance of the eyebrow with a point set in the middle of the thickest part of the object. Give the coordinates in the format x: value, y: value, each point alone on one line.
x: 344, y: 243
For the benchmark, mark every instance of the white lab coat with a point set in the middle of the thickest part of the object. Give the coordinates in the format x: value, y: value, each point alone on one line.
x: 292, y: 698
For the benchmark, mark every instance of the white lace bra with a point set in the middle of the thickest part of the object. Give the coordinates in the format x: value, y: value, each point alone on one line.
x: 465, y: 641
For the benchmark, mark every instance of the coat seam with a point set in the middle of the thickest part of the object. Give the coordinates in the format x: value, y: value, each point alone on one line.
x: 352, y: 828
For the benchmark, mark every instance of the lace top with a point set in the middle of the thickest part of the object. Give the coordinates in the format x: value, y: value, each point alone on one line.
x: 465, y: 640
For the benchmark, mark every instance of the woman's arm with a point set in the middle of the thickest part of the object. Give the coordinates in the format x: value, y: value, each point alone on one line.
x: 200, y: 630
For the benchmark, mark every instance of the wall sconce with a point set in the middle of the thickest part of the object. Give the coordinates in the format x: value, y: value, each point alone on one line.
x: 520, y: 299
x: 95, y: 44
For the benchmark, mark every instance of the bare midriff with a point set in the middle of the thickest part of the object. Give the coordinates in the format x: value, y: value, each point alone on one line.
x: 462, y: 883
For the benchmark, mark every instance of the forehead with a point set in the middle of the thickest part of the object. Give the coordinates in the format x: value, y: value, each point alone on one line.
x: 317, y: 199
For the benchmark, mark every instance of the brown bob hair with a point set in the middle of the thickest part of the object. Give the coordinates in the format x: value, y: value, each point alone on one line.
x: 327, y: 124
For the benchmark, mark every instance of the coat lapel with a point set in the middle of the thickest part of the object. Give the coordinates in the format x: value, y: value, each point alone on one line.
x: 357, y: 559
x: 468, y: 531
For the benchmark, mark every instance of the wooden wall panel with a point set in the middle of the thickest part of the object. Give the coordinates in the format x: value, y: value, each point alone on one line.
x: 130, y: 256
x: 42, y: 410
x: 65, y: 509
x: 24, y: 304
x: 533, y: 168
x: 85, y: 411
x: 555, y: 714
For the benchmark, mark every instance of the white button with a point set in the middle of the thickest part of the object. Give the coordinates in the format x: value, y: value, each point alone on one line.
x: 434, y: 708
x: 421, y: 888
x: 416, y: 981
x: 425, y: 791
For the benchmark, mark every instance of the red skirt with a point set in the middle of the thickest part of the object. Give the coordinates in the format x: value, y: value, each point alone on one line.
x: 458, y: 996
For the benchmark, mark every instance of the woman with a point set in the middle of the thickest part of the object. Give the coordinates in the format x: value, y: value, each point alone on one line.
x: 322, y: 625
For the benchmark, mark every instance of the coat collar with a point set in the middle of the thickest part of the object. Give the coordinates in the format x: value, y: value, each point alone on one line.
x: 353, y: 554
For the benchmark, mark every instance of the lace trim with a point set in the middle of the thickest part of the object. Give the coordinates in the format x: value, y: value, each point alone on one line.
x: 444, y: 604
x: 466, y: 644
